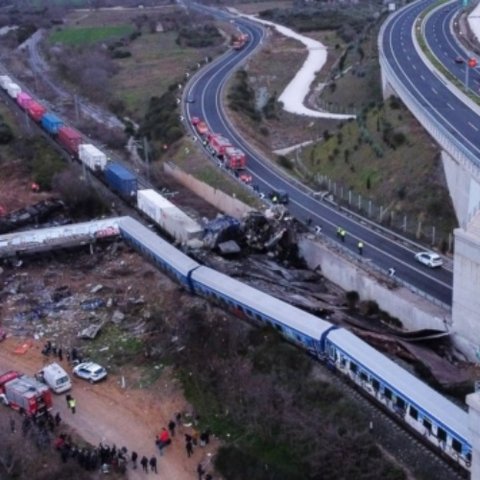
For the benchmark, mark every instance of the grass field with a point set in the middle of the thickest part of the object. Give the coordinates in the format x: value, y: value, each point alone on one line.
x: 90, y: 35
x: 156, y: 62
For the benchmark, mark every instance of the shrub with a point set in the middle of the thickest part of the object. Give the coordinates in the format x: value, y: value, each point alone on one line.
x: 285, y: 162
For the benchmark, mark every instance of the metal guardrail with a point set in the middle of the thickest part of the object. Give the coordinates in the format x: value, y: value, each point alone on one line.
x: 367, y: 265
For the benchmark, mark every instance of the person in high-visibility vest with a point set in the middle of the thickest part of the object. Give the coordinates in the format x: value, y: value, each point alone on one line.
x: 72, y: 403
x: 342, y: 234
x: 360, y: 247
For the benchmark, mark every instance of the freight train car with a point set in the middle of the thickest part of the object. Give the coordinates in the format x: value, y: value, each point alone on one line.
x: 170, y: 218
x: 70, y: 139
x: 92, y: 157
x: 51, y: 123
x: 121, y: 180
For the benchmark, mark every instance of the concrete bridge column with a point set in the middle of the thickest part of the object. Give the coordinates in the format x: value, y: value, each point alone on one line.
x: 387, y: 89
x: 466, y: 291
x: 473, y: 402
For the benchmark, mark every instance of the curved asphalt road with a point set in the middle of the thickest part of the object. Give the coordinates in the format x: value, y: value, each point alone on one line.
x: 385, y: 252
x: 444, y: 45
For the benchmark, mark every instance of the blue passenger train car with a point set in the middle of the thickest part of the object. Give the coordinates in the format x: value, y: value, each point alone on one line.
x: 166, y: 257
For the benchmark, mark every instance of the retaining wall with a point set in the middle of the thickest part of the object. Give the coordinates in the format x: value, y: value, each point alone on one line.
x: 414, y: 312
x: 225, y: 203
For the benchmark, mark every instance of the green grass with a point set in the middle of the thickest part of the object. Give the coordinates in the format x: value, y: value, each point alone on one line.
x: 90, y: 35
x: 156, y: 62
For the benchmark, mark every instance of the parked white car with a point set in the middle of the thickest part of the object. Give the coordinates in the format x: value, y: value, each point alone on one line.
x: 90, y: 371
x: 429, y: 259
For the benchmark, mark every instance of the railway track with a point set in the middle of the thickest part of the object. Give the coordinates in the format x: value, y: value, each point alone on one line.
x: 419, y: 459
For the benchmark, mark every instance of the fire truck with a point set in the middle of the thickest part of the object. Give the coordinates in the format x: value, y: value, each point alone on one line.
x: 25, y: 394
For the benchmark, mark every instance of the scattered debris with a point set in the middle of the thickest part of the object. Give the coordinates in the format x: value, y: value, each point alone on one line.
x: 93, y: 304
x: 91, y: 331
x: 31, y: 214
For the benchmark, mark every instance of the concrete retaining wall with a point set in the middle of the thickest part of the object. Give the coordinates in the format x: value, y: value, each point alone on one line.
x: 414, y: 312
x: 225, y: 203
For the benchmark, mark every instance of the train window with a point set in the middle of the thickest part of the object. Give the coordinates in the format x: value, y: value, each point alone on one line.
x: 343, y: 361
x: 258, y: 317
x: 353, y: 367
x: 249, y: 313
x: 400, y: 403
x: 388, y: 393
x: 375, y: 384
x: 363, y: 376
x: 413, y: 413
x: 441, y: 434
x: 278, y: 327
x: 298, y: 337
x: 427, y: 424
x: 456, y: 445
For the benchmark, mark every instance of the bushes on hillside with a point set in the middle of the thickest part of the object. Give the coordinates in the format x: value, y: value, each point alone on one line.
x: 199, y: 37
x: 161, y: 122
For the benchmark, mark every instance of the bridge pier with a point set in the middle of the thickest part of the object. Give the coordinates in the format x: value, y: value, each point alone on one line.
x: 466, y: 297
x: 387, y: 89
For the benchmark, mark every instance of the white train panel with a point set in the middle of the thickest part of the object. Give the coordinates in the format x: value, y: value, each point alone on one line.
x: 170, y: 218
x: 92, y: 157
x: 13, y: 89
x: 4, y: 81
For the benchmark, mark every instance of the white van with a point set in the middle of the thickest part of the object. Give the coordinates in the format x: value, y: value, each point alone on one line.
x: 56, y: 378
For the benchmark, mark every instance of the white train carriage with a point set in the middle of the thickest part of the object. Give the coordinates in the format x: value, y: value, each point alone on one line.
x: 166, y: 257
x: 440, y: 421
x: 247, y: 302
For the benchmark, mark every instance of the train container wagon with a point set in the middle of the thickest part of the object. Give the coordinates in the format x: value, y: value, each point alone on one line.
x: 121, y: 180
x: 170, y: 218
x: 51, y: 123
x: 4, y: 81
x: 92, y: 157
x: 13, y: 90
x: 35, y: 110
x: 70, y: 139
x: 24, y: 99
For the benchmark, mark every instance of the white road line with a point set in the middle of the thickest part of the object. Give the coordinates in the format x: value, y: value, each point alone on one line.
x: 473, y: 126
x: 448, y: 105
x: 422, y: 77
x: 434, y: 91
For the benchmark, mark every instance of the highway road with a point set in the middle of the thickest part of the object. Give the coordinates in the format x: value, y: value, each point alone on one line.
x: 443, y: 43
x: 381, y: 249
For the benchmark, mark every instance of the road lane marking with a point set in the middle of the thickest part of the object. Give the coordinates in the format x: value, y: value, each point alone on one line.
x: 434, y: 91
x: 473, y: 126
x: 448, y: 105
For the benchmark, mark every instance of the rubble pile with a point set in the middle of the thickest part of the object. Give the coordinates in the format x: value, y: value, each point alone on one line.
x: 32, y: 214
x: 68, y: 304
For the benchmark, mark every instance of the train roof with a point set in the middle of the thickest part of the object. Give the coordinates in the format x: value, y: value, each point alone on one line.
x: 181, y: 262
x: 257, y: 300
x: 421, y: 395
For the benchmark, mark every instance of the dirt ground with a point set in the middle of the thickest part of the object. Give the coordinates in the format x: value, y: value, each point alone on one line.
x: 15, y: 189
x: 117, y: 411
x: 125, y: 417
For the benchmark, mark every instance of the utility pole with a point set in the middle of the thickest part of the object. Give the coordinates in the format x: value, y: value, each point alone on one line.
x: 77, y: 111
x: 145, y: 153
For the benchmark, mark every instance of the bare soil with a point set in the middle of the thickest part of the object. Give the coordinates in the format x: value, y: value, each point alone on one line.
x: 117, y: 411
x: 129, y: 417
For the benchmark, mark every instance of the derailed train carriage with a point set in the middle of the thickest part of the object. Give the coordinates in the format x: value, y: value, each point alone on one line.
x: 422, y: 409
